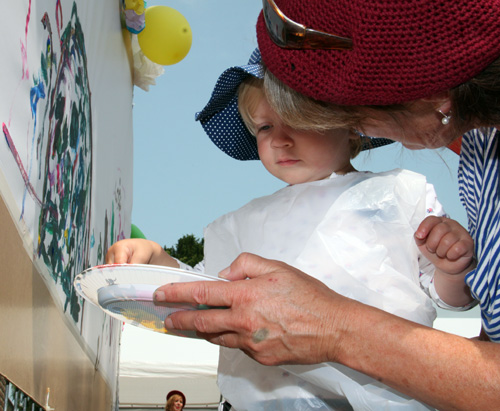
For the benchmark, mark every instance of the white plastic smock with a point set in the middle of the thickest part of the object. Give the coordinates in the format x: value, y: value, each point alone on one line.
x: 354, y: 232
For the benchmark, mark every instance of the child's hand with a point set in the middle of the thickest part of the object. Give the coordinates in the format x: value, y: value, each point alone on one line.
x: 138, y: 251
x: 446, y: 244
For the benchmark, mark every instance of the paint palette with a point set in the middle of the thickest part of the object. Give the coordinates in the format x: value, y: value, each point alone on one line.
x: 125, y: 292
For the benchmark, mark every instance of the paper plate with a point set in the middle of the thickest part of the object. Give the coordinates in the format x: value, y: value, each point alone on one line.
x: 125, y: 292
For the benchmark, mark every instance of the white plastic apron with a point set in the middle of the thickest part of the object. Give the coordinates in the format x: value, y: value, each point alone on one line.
x: 355, y: 234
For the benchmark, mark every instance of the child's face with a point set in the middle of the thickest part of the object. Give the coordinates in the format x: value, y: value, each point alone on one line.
x: 299, y: 156
x: 178, y: 403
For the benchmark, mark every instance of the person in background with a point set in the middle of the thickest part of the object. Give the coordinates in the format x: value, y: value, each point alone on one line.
x: 176, y: 401
x: 421, y: 72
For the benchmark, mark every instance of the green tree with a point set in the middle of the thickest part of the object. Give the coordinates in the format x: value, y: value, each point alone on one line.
x: 188, y: 249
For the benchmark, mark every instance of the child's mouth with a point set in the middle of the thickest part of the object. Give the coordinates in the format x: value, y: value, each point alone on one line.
x: 287, y: 163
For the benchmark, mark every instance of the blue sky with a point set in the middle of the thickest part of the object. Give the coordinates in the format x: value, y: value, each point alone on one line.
x: 182, y: 182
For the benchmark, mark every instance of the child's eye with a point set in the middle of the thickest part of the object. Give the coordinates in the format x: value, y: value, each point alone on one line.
x: 264, y: 127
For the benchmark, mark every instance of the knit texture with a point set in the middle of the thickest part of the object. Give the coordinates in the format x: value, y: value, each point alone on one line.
x: 403, y: 49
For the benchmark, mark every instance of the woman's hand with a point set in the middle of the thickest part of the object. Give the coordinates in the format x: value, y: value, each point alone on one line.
x: 275, y: 313
x: 280, y: 315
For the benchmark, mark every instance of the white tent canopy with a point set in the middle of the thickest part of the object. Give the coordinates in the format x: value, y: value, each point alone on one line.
x: 152, y: 364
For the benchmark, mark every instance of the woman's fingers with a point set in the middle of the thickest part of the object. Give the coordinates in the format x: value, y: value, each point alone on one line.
x: 249, y: 265
x: 210, y: 293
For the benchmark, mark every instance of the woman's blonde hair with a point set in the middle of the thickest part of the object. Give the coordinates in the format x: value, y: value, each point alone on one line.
x: 294, y: 109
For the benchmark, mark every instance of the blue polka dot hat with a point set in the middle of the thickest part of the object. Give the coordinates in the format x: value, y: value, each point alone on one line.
x: 221, y: 119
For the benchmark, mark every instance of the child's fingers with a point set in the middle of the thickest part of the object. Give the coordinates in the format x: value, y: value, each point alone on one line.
x: 449, y: 247
x: 450, y: 240
x: 453, y: 247
x: 439, y: 239
x: 426, y: 227
x: 130, y: 251
x: 117, y: 254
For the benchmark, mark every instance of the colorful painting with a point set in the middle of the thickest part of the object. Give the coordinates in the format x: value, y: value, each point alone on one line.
x: 61, y: 155
x: 69, y: 202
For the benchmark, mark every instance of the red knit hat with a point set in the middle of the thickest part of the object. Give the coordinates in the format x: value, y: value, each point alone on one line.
x: 403, y: 50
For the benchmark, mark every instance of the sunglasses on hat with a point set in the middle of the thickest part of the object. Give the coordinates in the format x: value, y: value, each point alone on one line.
x: 289, y: 34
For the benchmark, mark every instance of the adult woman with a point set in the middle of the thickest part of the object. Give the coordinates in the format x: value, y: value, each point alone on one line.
x: 420, y: 72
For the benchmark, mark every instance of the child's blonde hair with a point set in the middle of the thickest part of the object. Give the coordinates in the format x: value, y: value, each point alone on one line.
x: 313, y: 117
x: 250, y: 92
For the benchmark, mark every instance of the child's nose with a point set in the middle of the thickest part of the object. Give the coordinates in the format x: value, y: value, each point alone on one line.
x: 281, y: 139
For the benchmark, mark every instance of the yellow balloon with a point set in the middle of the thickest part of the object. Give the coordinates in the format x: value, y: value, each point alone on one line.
x: 167, y: 37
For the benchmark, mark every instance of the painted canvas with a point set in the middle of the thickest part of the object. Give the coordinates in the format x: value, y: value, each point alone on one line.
x: 66, y: 154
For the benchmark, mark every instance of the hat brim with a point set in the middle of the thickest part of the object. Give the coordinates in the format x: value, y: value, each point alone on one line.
x: 223, y: 124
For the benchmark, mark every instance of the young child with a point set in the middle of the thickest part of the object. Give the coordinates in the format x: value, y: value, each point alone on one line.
x: 176, y: 401
x: 351, y: 230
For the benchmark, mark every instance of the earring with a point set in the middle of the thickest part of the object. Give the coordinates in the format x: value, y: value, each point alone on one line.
x: 446, y: 118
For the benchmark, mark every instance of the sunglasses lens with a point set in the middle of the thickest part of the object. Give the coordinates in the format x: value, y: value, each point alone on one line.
x: 286, y: 33
x: 275, y: 24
